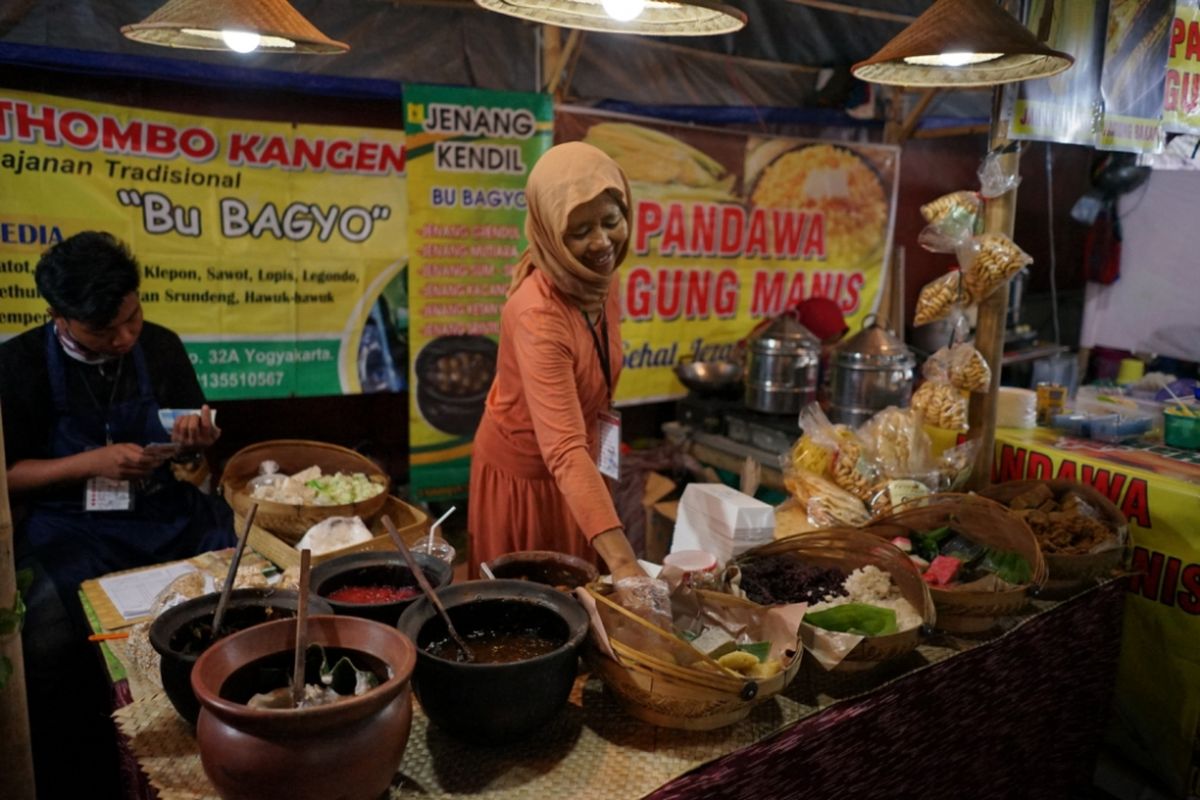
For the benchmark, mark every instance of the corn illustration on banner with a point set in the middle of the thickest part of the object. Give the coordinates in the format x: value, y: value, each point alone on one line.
x: 470, y: 152
x: 266, y: 246
x: 731, y: 229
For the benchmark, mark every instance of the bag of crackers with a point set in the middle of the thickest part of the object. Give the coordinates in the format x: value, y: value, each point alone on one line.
x: 990, y: 261
x: 961, y: 365
x: 953, y: 219
x: 941, y: 297
x: 941, y: 404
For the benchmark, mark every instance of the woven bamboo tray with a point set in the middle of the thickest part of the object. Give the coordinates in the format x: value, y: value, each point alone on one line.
x: 1068, y: 572
x: 291, y: 522
x: 671, y: 684
x: 410, y: 521
x: 848, y: 549
x: 983, y: 521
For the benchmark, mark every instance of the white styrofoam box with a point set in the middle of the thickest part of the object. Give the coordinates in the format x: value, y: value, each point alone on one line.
x: 721, y: 520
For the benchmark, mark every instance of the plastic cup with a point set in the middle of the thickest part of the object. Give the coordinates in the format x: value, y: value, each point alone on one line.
x: 1131, y: 370
x: 440, y: 548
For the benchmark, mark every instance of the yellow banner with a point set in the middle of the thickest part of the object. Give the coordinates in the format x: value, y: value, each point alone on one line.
x: 265, y: 245
x: 1181, y: 98
x: 731, y: 229
x: 1158, y: 682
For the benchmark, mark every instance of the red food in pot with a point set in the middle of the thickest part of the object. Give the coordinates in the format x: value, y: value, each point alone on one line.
x: 373, y: 594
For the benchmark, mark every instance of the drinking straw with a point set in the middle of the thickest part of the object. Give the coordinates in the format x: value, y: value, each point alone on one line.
x: 1187, y: 412
x: 434, y: 527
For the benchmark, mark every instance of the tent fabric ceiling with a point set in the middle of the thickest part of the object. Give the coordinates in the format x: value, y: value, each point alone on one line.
x: 774, y: 61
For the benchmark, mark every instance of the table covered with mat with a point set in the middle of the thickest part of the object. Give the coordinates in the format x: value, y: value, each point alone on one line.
x: 1018, y: 713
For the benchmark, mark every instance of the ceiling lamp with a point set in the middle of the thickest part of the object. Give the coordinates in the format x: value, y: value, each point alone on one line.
x: 649, y: 17
x: 962, y: 43
x: 243, y: 26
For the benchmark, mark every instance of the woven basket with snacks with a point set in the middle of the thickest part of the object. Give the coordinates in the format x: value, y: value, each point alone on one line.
x: 846, y: 550
x: 973, y: 522
x: 1083, y: 536
x: 660, y: 678
x: 290, y: 520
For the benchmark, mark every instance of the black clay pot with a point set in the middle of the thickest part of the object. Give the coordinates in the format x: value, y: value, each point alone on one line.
x: 454, y: 375
x: 376, y: 569
x: 181, y: 633
x: 496, y: 703
x: 544, y: 566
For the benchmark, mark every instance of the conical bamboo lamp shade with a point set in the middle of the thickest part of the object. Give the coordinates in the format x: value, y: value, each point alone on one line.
x: 657, y: 17
x: 200, y: 25
x: 962, y: 43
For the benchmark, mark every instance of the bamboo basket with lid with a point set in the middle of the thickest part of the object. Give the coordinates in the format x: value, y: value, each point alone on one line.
x: 291, y: 522
x: 1070, y: 572
x: 985, y: 522
x: 667, y: 682
x: 848, y: 549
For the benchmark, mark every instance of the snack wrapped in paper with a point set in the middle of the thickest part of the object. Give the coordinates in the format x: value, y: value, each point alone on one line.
x: 990, y: 260
x: 941, y: 405
x: 940, y: 297
x: 952, y: 218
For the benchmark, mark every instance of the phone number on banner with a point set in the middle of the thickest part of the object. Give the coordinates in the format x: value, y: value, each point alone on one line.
x: 238, y: 380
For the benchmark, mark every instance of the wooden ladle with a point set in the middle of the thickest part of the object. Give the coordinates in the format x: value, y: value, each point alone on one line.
x: 423, y: 582
x: 223, y: 600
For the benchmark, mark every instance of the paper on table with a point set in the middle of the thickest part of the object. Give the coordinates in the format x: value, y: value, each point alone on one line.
x: 132, y: 593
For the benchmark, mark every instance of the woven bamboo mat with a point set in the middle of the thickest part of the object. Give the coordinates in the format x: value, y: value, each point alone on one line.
x: 592, y: 749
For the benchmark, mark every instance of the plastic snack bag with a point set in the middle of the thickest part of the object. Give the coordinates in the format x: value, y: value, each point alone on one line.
x: 954, y: 466
x: 898, y: 445
x: 940, y: 297
x: 962, y: 366
x: 995, y: 179
x: 990, y: 259
x: 847, y: 465
x: 941, y: 405
x: 825, y: 503
x: 952, y: 218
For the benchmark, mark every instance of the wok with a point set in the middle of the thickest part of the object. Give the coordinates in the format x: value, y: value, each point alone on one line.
x: 709, y: 376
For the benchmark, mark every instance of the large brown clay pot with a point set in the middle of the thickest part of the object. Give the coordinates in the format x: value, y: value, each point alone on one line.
x: 347, y: 750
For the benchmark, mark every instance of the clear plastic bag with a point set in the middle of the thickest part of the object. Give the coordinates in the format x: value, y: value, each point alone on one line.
x: 824, y: 502
x: 940, y: 297
x: 941, y: 405
x: 847, y: 464
x: 954, y: 466
x: 952, y: 218
x: 996, y: 177
x: 647, y: 597
x: 990, y: 259
x: 962, y: 366
x: 897, y: 444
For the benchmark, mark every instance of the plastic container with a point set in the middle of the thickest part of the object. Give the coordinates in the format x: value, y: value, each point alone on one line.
x: 440, y: 548
x: 1180, y: 430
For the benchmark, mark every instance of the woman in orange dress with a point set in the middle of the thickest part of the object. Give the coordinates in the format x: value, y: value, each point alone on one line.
x: 535, y: 483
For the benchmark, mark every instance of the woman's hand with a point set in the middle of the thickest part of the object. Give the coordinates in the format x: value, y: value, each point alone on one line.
x: 614, y: 548
x: 121, y: 462
x: 196, y: 431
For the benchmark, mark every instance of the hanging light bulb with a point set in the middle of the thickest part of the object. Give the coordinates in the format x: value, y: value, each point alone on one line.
x: 241, y: 41
x: 955, y: 59
x: 623, y: 10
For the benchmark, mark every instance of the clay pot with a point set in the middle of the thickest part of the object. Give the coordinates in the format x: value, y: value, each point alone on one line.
x: 170, y: 633
x: 544, y: 566
x: 376, y: 569
x: 349, y: 749
x: 496, y: 703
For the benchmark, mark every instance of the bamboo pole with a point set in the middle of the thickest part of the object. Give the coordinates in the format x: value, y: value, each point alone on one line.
x: 16, y: 753
x: 999, y: 215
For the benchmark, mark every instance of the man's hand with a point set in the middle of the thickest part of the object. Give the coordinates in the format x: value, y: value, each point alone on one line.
x: 196, y: 431
x: 122, y: 462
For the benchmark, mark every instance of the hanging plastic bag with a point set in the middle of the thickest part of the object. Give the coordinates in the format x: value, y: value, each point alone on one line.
x: 961, y: 366
x: 990, y: 260
x: 940, y: 297
x: 941, y: 405
x: 995, y: 178
x: 952, y: 218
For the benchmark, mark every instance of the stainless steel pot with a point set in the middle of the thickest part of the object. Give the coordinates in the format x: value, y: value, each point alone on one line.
x: 782, y: 367
x: 871, y: 371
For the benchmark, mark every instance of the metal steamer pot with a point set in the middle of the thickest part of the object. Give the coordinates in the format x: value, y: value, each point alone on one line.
x: 870, y: 371
x: 782, y: 363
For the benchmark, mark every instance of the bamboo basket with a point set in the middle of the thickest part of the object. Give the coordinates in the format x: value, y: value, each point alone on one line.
x: 1071, y: 572
x: 411, y: 523
x: 668, y: 682
x: 848, y: 549
x: 291, y: 522
x: 983, y: 521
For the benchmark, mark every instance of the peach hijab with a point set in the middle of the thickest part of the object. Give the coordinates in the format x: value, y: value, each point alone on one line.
x: 566, y: 176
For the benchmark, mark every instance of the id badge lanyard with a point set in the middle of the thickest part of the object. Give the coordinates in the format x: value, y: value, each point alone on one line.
x: 608, y: 422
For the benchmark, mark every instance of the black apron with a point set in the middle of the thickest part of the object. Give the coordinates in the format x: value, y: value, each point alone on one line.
x: 169, y: 520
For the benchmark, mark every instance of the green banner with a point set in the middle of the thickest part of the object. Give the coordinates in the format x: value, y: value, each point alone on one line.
x: 469, y: 152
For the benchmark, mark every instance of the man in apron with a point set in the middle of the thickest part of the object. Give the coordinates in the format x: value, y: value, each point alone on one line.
x: 89, y: 474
